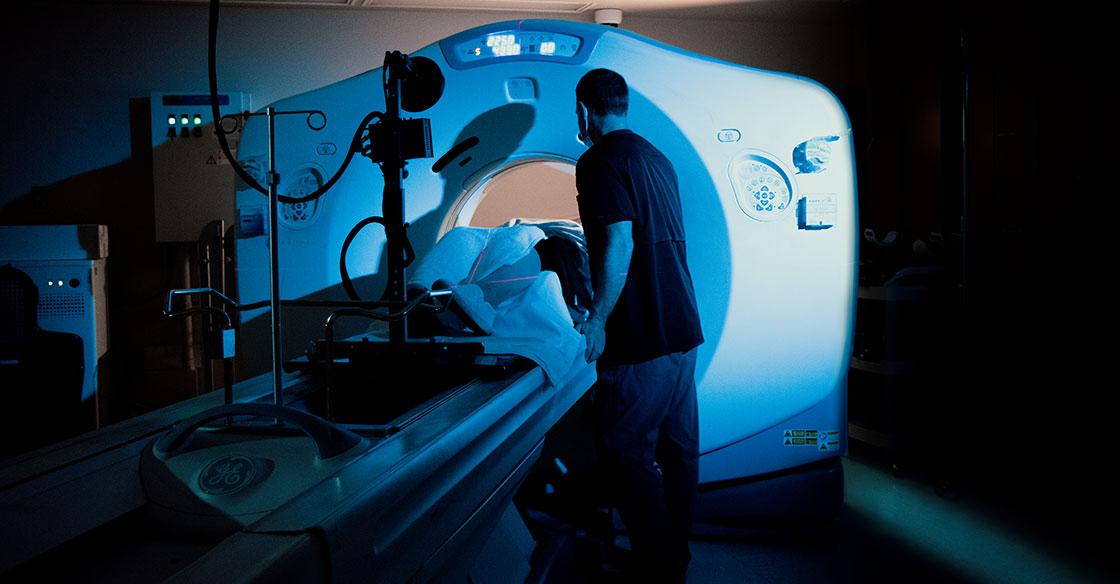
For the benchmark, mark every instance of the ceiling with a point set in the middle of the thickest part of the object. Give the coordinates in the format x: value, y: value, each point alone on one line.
x: 793, y: 10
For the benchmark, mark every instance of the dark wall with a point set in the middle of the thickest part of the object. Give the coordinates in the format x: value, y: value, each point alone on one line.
x: 151, y: 361
x: 1013, y: 402
x: 896, y: 115
x: 1038, y: 200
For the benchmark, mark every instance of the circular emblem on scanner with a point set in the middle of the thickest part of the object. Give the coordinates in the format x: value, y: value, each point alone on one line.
x: 299, y: 215
x: 227, y: 475
x: 762, y: 186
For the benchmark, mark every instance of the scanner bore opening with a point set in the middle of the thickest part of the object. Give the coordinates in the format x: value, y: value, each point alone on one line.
x: 541, y: 187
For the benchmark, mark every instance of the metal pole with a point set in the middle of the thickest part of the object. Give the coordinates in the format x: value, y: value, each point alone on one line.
x: 227, y: 366
x: 966, y: 211
x: 274, y: 260
x: 207, y: 346
x: 222, y: 256
x: 392, y: 202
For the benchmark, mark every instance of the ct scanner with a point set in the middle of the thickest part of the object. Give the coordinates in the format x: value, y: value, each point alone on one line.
x: 420, y: 488
x: 772, y: 234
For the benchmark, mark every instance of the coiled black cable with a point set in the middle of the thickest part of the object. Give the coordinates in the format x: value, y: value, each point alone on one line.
x: 391, y: 231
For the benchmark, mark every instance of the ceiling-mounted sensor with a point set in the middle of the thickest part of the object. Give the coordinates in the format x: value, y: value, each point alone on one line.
x: 608, y: 16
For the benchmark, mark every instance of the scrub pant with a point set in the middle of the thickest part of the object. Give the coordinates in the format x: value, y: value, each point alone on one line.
x: 646, y: 413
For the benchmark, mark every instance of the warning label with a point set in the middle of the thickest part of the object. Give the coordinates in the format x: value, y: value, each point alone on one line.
x: 218, y: 158
x: 823, y: 440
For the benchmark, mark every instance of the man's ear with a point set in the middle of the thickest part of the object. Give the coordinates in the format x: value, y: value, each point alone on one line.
x: 584, y: 124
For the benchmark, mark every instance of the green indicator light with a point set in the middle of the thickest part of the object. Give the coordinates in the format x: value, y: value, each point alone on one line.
x: 197, y: 120
x: 171, y: 120
x: 184, y: 120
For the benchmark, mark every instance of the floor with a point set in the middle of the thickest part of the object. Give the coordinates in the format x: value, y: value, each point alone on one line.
x: 895, y: 529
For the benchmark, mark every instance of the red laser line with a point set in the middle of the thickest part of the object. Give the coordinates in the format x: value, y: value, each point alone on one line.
x: 477, y: 261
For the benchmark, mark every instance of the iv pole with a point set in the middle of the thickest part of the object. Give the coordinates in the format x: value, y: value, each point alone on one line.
x: 273, y: 180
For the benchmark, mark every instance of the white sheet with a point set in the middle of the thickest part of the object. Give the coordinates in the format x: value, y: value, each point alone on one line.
x: 467, y: 255
x: 535, y: 324
x: 530, y: 317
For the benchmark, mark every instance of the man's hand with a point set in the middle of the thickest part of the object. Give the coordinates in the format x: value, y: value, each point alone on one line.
x: 607, y: 286
x: 595, y: 335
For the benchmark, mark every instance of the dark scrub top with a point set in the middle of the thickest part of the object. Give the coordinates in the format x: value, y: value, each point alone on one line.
x: 623, y: 177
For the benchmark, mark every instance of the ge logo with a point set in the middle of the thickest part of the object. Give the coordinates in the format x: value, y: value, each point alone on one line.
x: 227, y: 475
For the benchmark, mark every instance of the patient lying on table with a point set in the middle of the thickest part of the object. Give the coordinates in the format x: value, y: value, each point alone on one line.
x: 516, y: 289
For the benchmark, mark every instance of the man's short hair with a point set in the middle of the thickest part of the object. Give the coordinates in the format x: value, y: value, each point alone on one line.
x: 603, y: 92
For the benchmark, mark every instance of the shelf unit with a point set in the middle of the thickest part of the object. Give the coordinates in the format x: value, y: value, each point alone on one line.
x: 897, y: 324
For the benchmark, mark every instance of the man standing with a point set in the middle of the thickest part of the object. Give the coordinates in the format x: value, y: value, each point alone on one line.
x: 643, y: 328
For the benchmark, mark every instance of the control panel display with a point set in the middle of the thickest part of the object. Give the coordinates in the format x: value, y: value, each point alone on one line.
x: 521, y: 43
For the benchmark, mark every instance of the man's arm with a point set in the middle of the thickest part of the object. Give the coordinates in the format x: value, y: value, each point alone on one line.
x: 607, y: 285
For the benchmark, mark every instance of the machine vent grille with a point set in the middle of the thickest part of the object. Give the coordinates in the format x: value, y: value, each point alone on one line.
x: 61, y: 306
